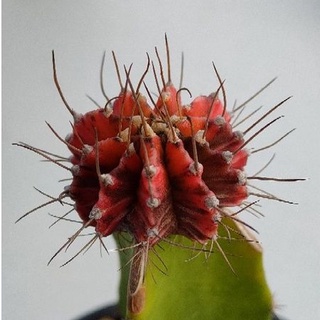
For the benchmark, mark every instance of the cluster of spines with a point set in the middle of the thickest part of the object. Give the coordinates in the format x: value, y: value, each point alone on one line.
x: 160, y: 170
x: 157, y: 170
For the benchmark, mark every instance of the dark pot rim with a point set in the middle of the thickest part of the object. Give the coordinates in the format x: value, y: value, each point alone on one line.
x: 113, y: 313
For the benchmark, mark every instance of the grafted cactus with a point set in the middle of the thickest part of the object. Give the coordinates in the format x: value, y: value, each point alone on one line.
x: 170, y: 177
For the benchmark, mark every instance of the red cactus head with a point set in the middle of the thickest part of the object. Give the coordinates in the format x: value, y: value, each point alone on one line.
x: 156, y: 167
x: 159, y: 168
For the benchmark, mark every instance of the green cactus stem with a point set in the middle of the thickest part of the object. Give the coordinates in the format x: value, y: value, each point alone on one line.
x: 182, y: 283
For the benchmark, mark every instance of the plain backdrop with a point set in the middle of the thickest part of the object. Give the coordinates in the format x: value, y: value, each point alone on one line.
x: 251, y: 42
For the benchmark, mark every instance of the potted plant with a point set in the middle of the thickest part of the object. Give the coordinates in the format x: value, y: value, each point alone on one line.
x: 169, y: 181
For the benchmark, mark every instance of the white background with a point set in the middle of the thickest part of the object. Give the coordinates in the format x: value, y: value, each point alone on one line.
x: 249, y: 41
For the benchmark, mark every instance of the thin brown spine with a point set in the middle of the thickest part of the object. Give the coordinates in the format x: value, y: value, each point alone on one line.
x: 168, y: 58
x: 181, y: 70
x: 209, y: 112
x: 59, y: 218
x: 275, y: 179
x: 101, y: 76
x: 136, y: 288
x: 224, y: 256
x: 93, y: 101
x: 266, y: 114
x: 37, y: 208
x: 69, y: 145
x: 117, y: 70
x: 267, y: 195
x: 256, y: 134
x: 38, y: 151
x: 246, y: 207
x: 161, y: 68
x: 75, y: 132
x: 143, y: 120
x: 254, y: 96
x: 194, y: 146
x: 177, y: 99
x: 143, y: 75
x: 167, y: 115
x: 273, y: 143
x: 234, y: 124
x: 222, y: 88
x: 153, y: 103
x: 84, y: 249
x: 124, y: 92
x: 71, y: 240
x: 108, y: 102
x: 56, y: 82
x: 272, y: 197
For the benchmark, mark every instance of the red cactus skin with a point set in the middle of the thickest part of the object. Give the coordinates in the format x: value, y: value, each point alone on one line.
x: 156, y: 171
